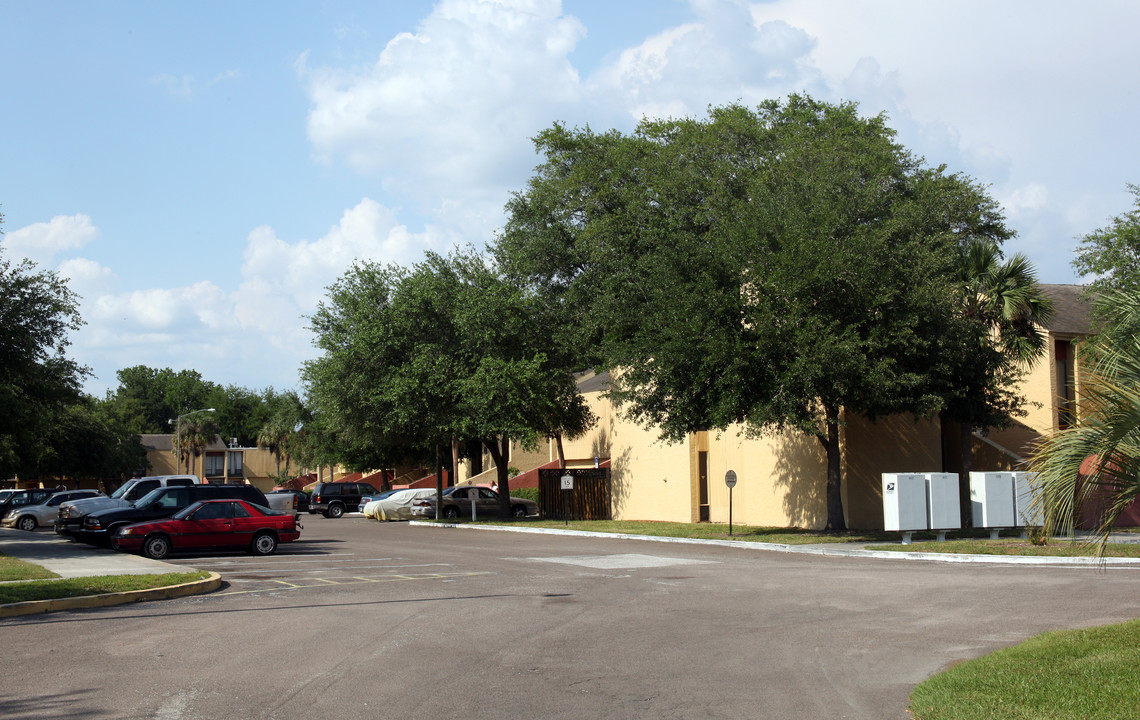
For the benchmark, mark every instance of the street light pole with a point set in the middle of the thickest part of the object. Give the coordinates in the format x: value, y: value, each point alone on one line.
x: 178, y: 435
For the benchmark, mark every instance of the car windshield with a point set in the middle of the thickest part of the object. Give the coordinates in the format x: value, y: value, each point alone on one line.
x: 181, y: 514
x: 122, y: 490
x: 266, y: 511
x: 149, y: 498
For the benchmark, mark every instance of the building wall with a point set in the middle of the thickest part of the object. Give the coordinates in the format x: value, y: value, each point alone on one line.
x: 780, y: 478
x: 900, y: 443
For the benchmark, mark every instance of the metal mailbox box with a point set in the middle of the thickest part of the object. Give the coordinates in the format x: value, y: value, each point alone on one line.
x: 991, y: 499
x: 904, y: 501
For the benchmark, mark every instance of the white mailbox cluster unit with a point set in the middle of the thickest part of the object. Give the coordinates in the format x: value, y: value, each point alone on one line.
x: 1003, y: 500
x: 920, y: 501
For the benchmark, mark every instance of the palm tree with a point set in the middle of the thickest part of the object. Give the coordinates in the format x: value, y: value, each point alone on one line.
x: 1002, y: 308
x: 1107, y: 429
x: 274, y: 437
x: 196, y: 435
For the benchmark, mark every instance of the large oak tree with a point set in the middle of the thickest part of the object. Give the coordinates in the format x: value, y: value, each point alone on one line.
x: 777, y: 267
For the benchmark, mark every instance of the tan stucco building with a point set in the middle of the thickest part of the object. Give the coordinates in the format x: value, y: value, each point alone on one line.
x: 219, y: 463
x: 782, y: 476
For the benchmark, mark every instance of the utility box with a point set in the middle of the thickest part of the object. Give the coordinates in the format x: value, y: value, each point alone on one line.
x: 991, y: 499
x: 943, y: 510
x: 1026, y: 508
x: 904, y: 501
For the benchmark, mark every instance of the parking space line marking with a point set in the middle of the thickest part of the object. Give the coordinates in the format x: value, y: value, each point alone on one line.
x: 390, y: 578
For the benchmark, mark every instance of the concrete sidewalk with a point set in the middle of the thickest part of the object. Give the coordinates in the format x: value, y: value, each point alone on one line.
x: 73, y: 559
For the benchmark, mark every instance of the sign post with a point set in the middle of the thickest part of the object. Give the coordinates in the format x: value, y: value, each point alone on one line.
x: 730, y: 481
x: 567, y: 487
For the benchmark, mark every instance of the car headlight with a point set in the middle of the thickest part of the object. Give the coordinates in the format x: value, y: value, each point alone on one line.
x: 125, y: 531
x: 93, y: 524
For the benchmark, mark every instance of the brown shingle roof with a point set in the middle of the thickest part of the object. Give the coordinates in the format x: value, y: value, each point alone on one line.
x: 1071, y: 309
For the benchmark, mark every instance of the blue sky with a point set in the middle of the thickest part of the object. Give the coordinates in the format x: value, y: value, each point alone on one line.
x: 202, y: 171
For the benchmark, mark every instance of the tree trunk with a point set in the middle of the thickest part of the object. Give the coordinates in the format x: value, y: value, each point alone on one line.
x: 835, y: 519
x: 561, y: 452
x: 475, y: 455
x: 500, y: 452
x: 438, y: 481
x: 454, y: 460
x: 966, y: 459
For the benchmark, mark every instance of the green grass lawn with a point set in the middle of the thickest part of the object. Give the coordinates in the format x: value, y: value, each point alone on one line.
x: 76, y: 587
x: 14, y: 569
x: 21, y: 581
x: 1086, y: 674
x: 710, y: 531
x: 1014, y: 546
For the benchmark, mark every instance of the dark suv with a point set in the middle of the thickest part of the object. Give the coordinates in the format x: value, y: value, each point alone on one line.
x: 161, y: 503
x: 335, y: 499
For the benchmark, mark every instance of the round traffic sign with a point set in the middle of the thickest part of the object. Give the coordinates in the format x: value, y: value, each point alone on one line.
x: 730, y: 478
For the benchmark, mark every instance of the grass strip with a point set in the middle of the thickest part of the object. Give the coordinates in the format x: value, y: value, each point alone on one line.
x: 968, y: 541
x: 15, y: 569
x: 1055, y: 548
x: 710, y: 531
x: 1088, y: 674
x: 78, y: 587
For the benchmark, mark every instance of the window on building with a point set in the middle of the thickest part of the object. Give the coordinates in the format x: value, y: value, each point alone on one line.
x: 214, y: 465
x: 234, y: 462
x: 1066, y: 383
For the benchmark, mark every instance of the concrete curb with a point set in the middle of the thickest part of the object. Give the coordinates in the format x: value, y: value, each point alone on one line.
x: 32, y: 607
x: 824, y: 550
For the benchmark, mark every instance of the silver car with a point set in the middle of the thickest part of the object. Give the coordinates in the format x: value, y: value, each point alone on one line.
x: 460, y: 501
x: 29, y: 517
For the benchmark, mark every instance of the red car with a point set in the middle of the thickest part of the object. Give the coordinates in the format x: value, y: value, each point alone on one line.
x: 209, y: 525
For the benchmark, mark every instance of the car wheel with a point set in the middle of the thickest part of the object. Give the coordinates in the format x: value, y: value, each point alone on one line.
x: 263, y: 544
x: 26, y: 523
x: 518, y: 511
x: 336, y: 510
x: 451, y: 512
x: 157, y: 547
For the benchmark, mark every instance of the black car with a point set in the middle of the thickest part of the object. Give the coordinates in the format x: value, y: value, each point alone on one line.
x: 161, y: 503
x: 336, y: 498
x: 302, y: 504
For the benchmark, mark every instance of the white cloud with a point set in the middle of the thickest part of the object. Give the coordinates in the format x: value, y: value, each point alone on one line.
x: 447, y: 109
x: 1024, y: 199
x: 41, y: 242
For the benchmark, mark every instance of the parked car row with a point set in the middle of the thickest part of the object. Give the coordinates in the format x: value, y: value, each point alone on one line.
x: 30, y: 509
x: 177, y: 514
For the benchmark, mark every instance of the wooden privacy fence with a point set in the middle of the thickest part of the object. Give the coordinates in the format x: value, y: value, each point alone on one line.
x: 589, y: 500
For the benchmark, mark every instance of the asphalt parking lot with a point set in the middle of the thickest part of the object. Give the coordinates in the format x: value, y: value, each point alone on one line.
x: 363, y: 619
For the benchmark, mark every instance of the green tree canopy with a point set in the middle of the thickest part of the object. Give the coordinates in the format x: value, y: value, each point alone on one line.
x: 774, y: 267
x: 1111, y: 255
x: 37, y: 380
x: 1110, y: 258
x: 435, y: 355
